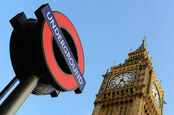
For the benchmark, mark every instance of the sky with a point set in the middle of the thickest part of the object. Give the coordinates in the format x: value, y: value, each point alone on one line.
x: 108, y: 29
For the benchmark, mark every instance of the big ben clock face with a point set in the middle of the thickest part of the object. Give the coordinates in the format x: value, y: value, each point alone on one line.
x: 122, y: 80
x: 155, y: 95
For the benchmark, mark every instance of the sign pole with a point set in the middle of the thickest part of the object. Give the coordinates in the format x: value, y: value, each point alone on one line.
x: 8, y: 87
x: 18, y: 96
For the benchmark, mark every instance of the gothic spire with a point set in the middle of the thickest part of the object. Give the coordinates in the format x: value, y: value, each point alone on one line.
x: 138, y: 54
x: 142, y: 47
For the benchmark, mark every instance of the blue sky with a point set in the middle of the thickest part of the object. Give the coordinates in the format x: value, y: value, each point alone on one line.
x: 108, y: 30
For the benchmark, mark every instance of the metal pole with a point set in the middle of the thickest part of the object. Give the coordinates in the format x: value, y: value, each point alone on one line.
x: 8, y: 87
x: 18, y: 96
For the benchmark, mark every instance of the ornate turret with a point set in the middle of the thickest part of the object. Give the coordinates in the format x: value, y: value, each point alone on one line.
x: 139, y: 54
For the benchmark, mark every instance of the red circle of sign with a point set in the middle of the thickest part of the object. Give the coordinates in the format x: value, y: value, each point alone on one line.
x: 65, y: 81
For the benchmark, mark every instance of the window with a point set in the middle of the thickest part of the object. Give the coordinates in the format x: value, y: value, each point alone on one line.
x: 113, y: 94
x: 120, y: 110
x: 104, y: 96
x: 111, y: 112
x: 125, y: 111
x: 131, y: 90
x: 108, y: 94
x: 122, y: 92
x: 107, y: 112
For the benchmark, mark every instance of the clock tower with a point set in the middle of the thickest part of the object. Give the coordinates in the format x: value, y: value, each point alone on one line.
x: 131, y: 88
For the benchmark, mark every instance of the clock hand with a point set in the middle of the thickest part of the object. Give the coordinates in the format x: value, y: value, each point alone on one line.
x: 118, y: 84
x: 123, y: 80
x: 120, y: 81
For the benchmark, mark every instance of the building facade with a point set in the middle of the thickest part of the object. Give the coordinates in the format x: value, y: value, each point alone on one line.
x: 131, y: 88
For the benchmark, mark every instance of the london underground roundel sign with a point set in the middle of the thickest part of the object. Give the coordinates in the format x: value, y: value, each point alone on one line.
x: 56, y: 28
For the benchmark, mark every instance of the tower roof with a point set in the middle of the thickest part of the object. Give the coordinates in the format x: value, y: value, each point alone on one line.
x: 141, y: 48
x: 139, y: 54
